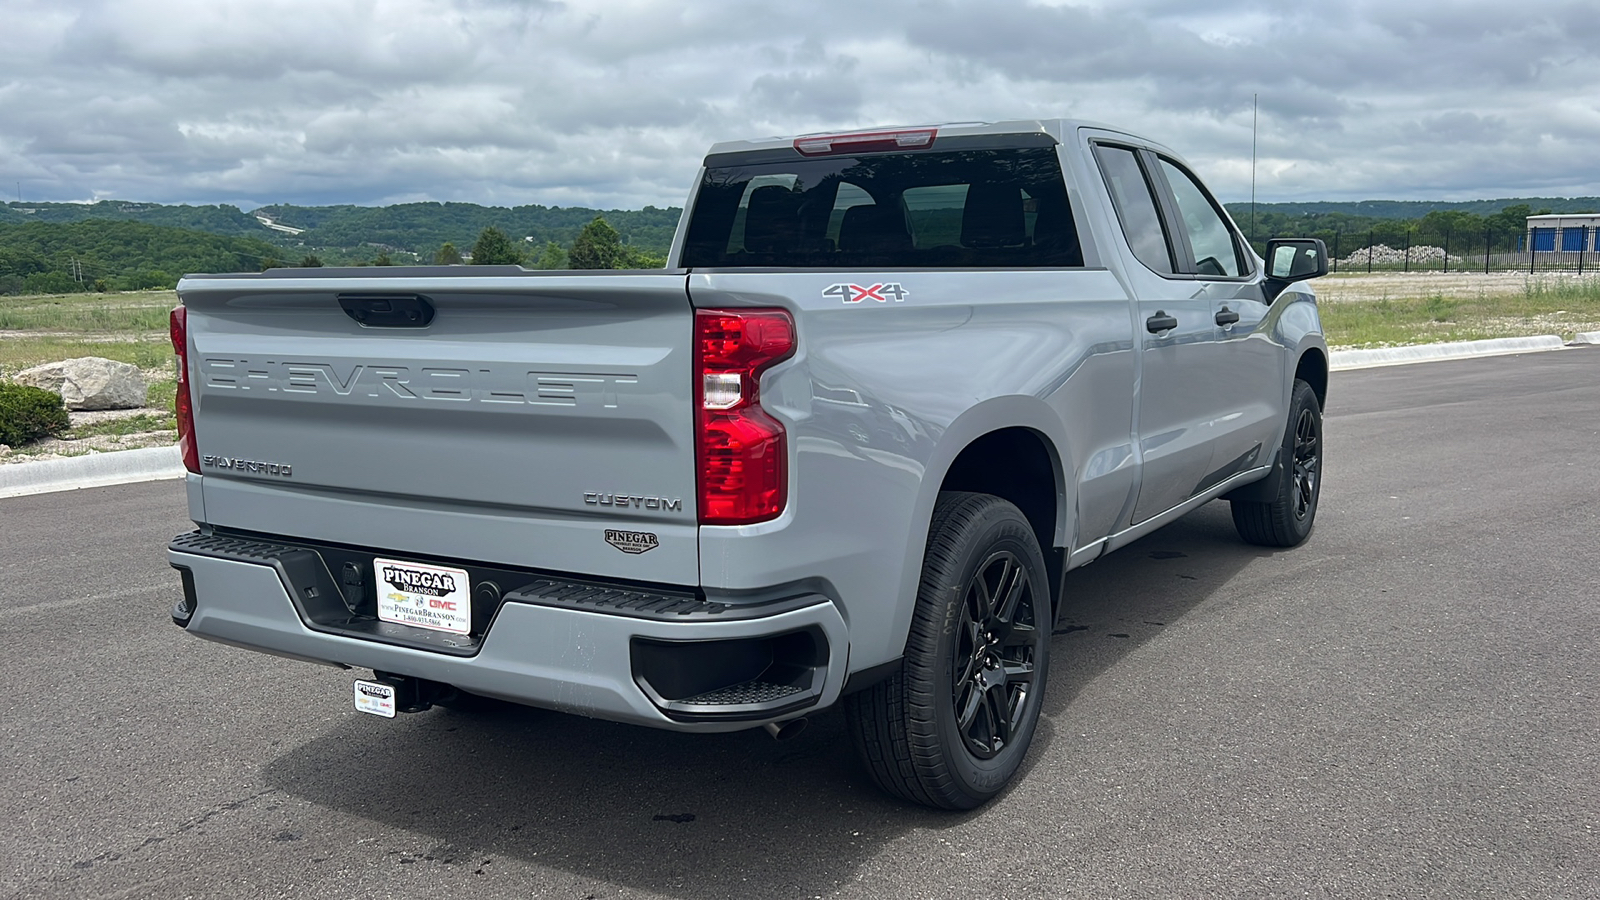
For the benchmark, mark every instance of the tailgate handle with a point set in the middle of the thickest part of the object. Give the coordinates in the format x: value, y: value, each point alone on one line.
x: 388, y: 310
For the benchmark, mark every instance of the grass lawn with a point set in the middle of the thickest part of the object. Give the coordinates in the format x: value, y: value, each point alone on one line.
x: 130, y: 328
x: 135, y: 312
x: 1384, y: 311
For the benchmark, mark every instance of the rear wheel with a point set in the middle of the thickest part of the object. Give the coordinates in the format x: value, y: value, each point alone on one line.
x: 950, y: 728
x: 1286, y: 520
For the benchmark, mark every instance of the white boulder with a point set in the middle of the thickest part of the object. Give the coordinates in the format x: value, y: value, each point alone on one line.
x: 90, y: 382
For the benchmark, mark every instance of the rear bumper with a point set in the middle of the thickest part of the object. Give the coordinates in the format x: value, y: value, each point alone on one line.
x: 546, y: 646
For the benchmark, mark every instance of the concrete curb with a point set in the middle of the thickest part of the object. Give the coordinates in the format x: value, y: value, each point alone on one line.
x: 94, y: 470
x: 1339, y: 360
x: 1587, y: 337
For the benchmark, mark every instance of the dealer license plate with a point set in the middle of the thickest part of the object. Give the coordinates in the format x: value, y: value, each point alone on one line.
x: 436, y: 597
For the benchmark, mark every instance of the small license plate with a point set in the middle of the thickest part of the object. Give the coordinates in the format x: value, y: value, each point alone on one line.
x: 436, y: 597
x: 375, y: 698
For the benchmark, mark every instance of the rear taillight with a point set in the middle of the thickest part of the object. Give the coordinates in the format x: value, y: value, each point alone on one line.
x: 180, y: 345
x: 742, y: 452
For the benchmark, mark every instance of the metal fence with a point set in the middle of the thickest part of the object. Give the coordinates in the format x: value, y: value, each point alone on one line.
x: 1403, y: 249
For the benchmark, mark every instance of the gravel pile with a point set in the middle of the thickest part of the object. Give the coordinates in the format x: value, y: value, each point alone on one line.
x: 1385, y: 255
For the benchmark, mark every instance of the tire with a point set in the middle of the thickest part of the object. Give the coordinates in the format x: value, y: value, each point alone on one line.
x: 1287, y: 519
x: 951, y: 726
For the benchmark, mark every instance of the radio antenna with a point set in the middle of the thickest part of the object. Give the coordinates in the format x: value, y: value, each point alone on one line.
x: 1255, y: 105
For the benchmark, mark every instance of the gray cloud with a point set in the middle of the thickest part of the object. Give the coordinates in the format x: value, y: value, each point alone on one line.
x: 612, y: 102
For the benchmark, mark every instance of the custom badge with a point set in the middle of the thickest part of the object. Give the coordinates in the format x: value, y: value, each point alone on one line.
x: 856, y: 293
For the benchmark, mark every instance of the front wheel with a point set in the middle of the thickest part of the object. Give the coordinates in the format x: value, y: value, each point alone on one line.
x: 951, y: 727
x: 1286, y: 520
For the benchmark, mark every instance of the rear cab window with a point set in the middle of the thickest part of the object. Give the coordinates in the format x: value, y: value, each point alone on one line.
x: 944, y: 207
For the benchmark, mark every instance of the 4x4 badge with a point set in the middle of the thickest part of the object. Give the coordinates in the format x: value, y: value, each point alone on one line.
x: 631, y: 541
x: 855, y: 293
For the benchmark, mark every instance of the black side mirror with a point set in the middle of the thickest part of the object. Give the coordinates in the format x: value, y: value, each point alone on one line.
x: 1294, y: 259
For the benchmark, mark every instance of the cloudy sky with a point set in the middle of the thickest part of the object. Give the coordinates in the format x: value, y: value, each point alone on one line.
x: 611, y: 103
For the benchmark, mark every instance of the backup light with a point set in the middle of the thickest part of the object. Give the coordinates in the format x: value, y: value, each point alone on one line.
x: 865, y: 142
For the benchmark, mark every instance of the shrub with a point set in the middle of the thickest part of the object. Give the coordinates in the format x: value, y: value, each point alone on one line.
x: 29, y: 413
x: 50, y: 283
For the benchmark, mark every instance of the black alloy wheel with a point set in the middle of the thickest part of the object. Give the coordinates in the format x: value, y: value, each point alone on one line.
x: 951, y: 726
x: 1307, y: 463
x: 1286, y: 519
x: 994, y: 648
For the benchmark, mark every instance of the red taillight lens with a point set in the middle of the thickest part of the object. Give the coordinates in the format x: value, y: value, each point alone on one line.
x: 180, y: 345
x: 742, y: 450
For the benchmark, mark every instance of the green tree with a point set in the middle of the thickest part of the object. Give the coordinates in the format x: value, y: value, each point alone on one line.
x: 271, y: 262
x: 552, y: 257
x: 1514, y: 219
x: 598, y: 246
x: 638, y: 259
x: 493, y: 248
x: 312, y: 261
x: 448, y: 255
x: 383, y: 259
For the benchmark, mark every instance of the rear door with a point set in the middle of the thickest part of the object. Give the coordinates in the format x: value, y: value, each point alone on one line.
x: 1176, y: 423
x: 532, y: 420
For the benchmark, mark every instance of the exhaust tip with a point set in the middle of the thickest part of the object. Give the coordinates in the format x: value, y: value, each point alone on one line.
x: 783, y: 731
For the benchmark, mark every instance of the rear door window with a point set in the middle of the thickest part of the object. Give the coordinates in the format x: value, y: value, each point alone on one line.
x: 1136, y: 207
x: 928, y: 209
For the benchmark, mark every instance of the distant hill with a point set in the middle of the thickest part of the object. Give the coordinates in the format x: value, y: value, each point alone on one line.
x: 97, y: 236
x: 58, y: 257
x: 422, y: 227
x: 1415, y: 209
x: 221, y: 219
x: 353, y: 233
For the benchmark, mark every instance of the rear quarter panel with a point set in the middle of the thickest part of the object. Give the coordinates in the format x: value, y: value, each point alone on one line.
x: 882, y: 397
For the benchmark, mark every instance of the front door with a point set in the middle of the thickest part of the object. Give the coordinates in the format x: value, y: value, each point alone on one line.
x: 1243, y: 366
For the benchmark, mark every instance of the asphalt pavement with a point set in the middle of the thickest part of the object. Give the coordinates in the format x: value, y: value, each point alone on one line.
x: 1406, y: 706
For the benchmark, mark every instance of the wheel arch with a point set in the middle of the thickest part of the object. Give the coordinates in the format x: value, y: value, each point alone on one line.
x: 985, y: 433
x: 1312, y: 368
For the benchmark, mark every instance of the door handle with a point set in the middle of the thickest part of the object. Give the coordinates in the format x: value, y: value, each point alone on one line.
x: 1226, y: 316
x: 1160, y: 322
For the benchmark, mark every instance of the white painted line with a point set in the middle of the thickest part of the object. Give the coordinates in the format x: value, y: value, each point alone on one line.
x: 1398, y: 356
x: 94, y: 470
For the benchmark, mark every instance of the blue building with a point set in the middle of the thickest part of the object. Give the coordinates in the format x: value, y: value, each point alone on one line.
x: 1564, y: 233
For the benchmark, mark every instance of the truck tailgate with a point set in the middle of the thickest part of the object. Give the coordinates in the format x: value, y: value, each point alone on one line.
x: 537, y: 420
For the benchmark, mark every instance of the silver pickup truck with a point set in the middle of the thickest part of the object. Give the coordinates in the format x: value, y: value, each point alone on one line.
x: 891, y: 386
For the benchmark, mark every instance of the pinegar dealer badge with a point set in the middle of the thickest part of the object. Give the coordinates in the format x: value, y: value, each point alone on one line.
x: 631, y: 541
